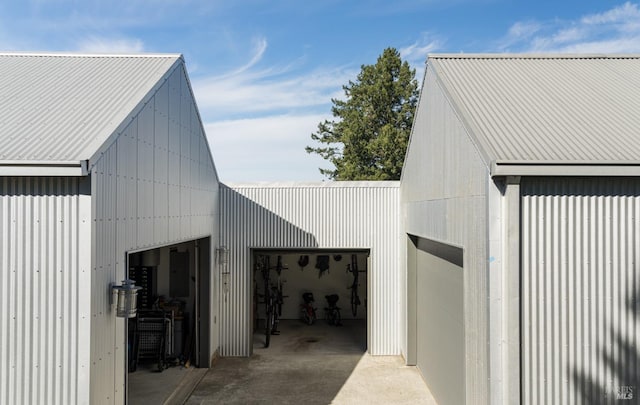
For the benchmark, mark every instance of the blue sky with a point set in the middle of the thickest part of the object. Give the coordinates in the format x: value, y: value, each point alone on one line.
x: 264, y: 72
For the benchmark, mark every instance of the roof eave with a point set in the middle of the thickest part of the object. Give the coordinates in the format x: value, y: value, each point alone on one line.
x: 542, y: 169
x: 316, y: 184
x: 547, y: 55
x: 44, y: 168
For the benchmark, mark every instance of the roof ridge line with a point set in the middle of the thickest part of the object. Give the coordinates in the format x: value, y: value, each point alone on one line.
x: 92, y: 55
x: 534, y: 55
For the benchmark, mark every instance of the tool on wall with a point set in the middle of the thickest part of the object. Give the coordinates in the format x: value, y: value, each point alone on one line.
x: 303, y: 261
x: 322, y: 264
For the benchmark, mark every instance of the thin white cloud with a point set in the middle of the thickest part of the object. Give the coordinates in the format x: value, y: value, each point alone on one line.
x: 110, y: 45
x: 275, y: 144
x: 260, y: 46
x: 618, y: 45
x: 416, y: 53
x: 626, y: 12
x: 269, y: 90
x: 570, y: 35
x: 616, y: 30
x: 519, y: 32
x: 524, y: 29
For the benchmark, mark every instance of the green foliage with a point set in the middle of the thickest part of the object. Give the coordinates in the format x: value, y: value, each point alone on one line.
x: 369, y: 137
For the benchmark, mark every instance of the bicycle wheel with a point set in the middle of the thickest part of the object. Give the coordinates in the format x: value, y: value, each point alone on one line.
x: 274, y: 325
x: 355, y: 301
x: 280, y: 301
x: 268, y: 320
x: 328, y: 313
x: 310, y: 315
x: 268, y: 326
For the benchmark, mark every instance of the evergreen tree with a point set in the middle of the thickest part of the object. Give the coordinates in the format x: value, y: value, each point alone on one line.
x: 369, y: 137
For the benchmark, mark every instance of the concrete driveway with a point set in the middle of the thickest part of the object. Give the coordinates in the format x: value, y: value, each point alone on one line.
x: 318, y: 364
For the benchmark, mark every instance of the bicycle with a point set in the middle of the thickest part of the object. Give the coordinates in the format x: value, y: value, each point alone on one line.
x: 332, y: 312
x: 355, y: 299
x: 262, y: 264
x: 279, y: 293
x: 275, y: 317
x: 307, y: 309
x: 277, y: 298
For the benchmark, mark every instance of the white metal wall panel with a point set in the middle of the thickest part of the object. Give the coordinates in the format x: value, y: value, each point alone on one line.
x: 316, y: 216
x: 580, y: 286
x: 44, y: 290
x: 444, y: 190
x: 149, y: 189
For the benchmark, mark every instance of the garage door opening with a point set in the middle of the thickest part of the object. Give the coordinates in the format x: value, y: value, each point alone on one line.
x: 315, y: 295
x: 164, y: 339
x: 436, y: 334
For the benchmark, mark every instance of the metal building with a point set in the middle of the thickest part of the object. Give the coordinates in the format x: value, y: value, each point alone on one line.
x: 517, y: 220
x: 103, y: 159
x: 312, y: 219
x: 520, y: 201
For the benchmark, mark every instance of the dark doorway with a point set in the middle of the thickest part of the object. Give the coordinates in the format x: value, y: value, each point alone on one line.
x: 170, y: 334
x: 319, y: 274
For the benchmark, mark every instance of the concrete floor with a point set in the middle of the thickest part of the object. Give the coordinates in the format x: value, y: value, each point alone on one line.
x: 318, y: 364
x: 172, y: 386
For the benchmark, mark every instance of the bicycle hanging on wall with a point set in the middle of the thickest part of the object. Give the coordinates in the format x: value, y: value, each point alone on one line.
x: 353, y: 269
x: 262, y: 264
x: 279, y: 284
x: 273, y: 295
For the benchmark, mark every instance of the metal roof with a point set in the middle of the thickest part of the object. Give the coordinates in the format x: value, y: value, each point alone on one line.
x: 57, y: 110
x: 529, y: 111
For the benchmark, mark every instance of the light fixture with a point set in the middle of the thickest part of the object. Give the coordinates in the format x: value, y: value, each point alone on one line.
x: 126, y: 298
x: 223, y: 255
x: 223, y: 261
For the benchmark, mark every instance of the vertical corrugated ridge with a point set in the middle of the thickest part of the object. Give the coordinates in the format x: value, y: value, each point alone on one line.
x: 580, y: 287
x: 152, y: 187
x: 39, y: 269
x: 346, y: 216
x: 444, y: 195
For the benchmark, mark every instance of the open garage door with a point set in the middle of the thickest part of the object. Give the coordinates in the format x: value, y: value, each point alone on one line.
x: 327, y: 287
x: 164, y: 339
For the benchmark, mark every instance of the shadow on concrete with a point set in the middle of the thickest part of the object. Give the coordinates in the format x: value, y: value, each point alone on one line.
x: 313, y: 364
x: 305, y: 364
x: 620, y: 361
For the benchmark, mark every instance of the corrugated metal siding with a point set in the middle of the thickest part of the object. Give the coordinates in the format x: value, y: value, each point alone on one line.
x: 44, y: 279
x: 441, y: 351
x: 156, y: 185
x: 63, y: 107
x: 538, y: 108
x: 580, y: 285
x: 316, y: 216
x: 444, y: 198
